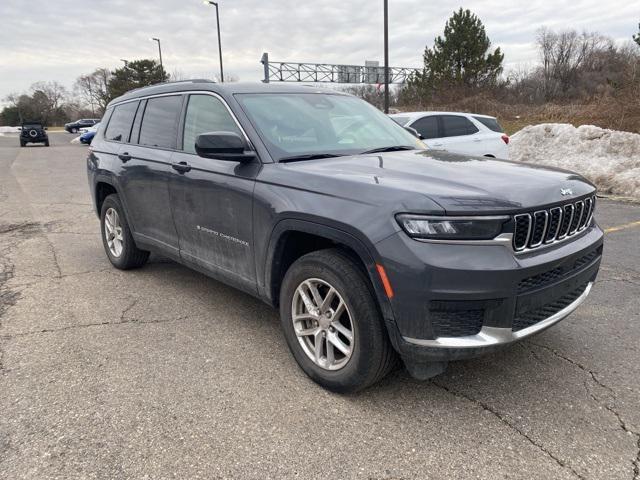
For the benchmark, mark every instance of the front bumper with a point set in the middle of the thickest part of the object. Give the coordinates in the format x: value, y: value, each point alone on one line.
x: 459, y: 301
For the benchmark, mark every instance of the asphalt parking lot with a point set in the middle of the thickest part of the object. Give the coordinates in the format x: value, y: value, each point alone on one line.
x: 163, y: 373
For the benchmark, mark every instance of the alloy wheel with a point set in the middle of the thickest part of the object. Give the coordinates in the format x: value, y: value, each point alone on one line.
x: 323, y: 324
x: 113, y: 232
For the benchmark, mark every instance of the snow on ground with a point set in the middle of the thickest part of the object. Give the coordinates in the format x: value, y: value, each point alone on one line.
x: 4, y: 130
x: 608, y: 158
x: 75, y: 140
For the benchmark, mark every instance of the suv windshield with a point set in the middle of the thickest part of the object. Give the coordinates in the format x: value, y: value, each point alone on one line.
x: 308, y: 124
x: 27, y: 126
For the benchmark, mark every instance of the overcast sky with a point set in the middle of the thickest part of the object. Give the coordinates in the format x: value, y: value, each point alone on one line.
x: 61, y: 39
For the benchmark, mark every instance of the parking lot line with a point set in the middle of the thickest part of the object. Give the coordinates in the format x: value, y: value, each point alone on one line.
x: 622, y: 227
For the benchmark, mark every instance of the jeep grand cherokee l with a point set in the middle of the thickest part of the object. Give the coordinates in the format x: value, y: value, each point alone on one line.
x: 372, y: 247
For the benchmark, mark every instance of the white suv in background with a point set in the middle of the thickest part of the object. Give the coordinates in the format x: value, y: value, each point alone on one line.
x: 455, y: 132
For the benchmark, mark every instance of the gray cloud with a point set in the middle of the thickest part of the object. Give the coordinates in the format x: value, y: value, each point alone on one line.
x: 59, y: 40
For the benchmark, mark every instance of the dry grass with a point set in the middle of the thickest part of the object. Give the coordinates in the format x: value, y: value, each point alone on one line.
x: 621, y: 112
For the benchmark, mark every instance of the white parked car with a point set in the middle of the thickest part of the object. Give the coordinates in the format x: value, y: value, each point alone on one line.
x: 457, y: 132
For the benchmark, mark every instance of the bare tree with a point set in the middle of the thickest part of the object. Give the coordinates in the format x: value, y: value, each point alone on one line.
x: 93, y: 89
x: 563, y: 55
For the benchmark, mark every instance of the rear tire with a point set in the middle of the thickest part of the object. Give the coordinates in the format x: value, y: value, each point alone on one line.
x: 369, y: 356
x: 117, y: 240
x: 22, y: 144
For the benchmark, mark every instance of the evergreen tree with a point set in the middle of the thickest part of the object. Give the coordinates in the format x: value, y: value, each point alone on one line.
x: 462, y: 57
x: 135, y: 74
x: 636, y: 38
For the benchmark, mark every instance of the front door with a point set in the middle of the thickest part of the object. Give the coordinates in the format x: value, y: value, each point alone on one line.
x: 212, y: 199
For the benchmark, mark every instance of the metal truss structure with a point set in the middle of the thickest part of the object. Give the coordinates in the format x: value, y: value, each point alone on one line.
x: 332, y: 73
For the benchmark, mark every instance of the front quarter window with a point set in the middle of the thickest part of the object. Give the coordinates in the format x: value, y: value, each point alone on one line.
x: 318, y: 123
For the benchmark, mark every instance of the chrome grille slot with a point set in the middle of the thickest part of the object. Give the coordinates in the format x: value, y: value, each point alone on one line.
x: 567, y: 218
x: 578, y: 210
x: 555, y: 220
x: 539, y: 228
x: 588, y: 205
x: 531, y: 230
x: 522, y: 231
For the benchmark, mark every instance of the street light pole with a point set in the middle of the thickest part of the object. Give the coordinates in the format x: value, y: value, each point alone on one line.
x: 215, y: 4
x: 160, y: 54
x: 386, y: 56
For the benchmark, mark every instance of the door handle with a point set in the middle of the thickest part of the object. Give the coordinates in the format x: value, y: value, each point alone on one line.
x: 181, y: 167
x: 436, y: 144
x: 125, y: 157
x: 477, y: 139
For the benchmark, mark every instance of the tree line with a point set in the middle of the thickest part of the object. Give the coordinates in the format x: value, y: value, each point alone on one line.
x: 461, y: 69
x: 53, y: 104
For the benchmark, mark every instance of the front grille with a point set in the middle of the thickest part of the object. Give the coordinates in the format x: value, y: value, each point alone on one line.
x: 528, y: 318
x: 547, y: 226
x: 547, y: 278
x: 455, y: 318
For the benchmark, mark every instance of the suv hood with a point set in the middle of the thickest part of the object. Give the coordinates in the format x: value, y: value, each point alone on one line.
x: 459, y: 184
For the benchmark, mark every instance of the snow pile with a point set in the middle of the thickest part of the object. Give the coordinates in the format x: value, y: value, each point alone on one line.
x: 4, y: 130
x: 75, y: 140
x: 608, y: 158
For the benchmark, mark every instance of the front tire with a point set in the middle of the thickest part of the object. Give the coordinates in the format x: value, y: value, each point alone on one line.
x: 116, y: 236
x: 46, y: 143
x: 332, y: 323
x: 74, y: 130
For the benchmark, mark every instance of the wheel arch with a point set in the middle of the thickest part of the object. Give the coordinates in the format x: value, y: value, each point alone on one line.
x: 292, y: 238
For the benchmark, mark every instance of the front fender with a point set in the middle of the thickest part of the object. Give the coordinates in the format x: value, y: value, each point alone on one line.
x: 341, y: 234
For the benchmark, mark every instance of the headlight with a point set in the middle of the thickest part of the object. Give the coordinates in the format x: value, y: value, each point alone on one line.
x: 451, y: 228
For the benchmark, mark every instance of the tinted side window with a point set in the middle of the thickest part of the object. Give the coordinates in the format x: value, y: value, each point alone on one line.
x: 120, y: 122
x: 402, y: 121
x: 160, y: 122
x: 454, y: 125
x: 205, y: 113
x: 490, y: 123
x: 427, y: 127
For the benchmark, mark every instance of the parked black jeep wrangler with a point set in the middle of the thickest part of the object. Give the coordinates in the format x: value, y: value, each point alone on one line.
x: 33, y: 132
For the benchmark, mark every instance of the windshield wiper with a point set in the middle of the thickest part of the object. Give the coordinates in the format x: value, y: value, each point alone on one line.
x: 391, y: 148
x: 309, y: 156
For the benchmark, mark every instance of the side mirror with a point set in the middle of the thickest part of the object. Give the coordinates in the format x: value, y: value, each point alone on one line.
x: 414, y: 132
x: 224, y: 146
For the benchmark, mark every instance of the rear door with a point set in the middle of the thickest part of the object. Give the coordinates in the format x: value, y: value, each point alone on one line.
x: 458, y: 135
x: 146, y: 169
x: 212, y: 199
x: 428, y: 128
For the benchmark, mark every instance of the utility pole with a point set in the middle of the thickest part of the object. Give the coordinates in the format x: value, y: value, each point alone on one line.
x: 160, y: 54
x: 215, y: 4
x: 386, y: 56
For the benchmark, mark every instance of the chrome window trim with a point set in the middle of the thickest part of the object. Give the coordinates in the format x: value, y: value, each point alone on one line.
x: 544, y: 229
x: 186, y: 93
x: 490, y: 336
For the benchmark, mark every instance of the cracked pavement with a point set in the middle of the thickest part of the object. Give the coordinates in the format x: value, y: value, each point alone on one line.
x: 163, y: 373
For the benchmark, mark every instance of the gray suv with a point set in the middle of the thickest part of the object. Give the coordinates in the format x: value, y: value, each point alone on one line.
x: 373, y: 248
